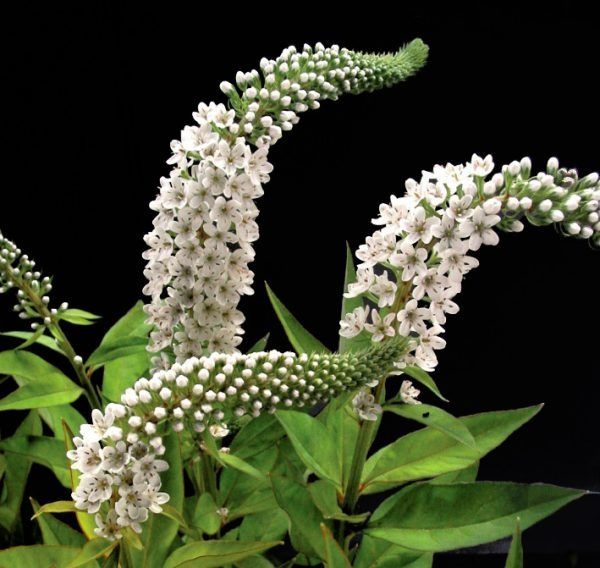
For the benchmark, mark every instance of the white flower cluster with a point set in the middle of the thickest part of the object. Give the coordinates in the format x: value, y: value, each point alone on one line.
x: 118, y: 455
x: 412, y: 268
x: 205, y: 227
x: 17, y: 270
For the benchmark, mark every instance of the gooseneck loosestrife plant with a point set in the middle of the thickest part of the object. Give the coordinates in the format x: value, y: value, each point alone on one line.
x: 153, y: 483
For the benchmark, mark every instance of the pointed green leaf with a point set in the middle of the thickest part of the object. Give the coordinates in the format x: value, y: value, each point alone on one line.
x: 56, y: 507
x: 55, y: 531
x: 447, y: 517
x: 436, y: 418
x: 46, y: 451
x: 256, y: 436
x: 304, y: 515
x: 160, y: 531
x: 425, y: 379
x: 515, y: 553
x: 38, y: 555
x: 215, y: 553
x: 313, y: 443
x: 44, y: 340
x: 377, y: 553
x: 429, y: 452
x: 122, y: 373
x: 16, y: 474
x: 78, y: 317
x: 302, y: 341
x: 133, y: 323
x: 459, y: 476
x: 117, y: 349
x: 260, y: 345
x: 93, y: 549
x: 325, y: 498
x: 266, y: 525
x: 334, y: 555
x: 205, y: 516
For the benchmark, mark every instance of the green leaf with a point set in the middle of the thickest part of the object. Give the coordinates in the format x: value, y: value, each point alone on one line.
x: 313, y: 443
x: 459, y: 476
x: 260, y: 345
x: 377, y: 553
x: 231, y: 460
x: 160, y: 531
x: 256, y: 436
x: 174, y: 514
x: 56, y: 507
x: 302, y: 341
x: 362, y: 340
x: 93, y: 549
x: 334, y: 555
x: 55, y: 531
x: 429, y: 452
x: 15, y: 476
x: 133, y: 323
x: 425, y: 379
x: 515, y: 553
x: 254, y: 562
x: 78, y: 317
x: 304, y: 515
x: 122, y: 373
x: 39, y: 555
x: 215, y: 553
x: 447, y: 517
x: 325, y: 498
x: 266, y: 525
x: 29, y: 336
x: 205, y: 516
x: 436, y: 418
x: 42, y: 383
x: 46, y: 451
x: 117, y: 349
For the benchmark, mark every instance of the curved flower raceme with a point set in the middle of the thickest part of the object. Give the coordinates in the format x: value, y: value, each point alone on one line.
x: 119, y: 454
x: 201, y: 244
x: 412, y: 268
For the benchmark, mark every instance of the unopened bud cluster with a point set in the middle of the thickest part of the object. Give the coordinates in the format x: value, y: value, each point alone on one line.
x: 118, y: 454
x: 202, y: 241
x: 18, y: 271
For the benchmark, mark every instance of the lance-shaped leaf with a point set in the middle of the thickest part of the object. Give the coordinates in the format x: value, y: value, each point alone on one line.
x: 93, y: 549
x: 267, y: 525
x: 16, y: 473
x: 46, y: 451
x: 377, y: 553
x: 429, y: 452
x: 117, y: 349
x: 34, y: 337
x: 436, y: 418
x: 205, y: 515
x: 515, y: 553
x: 447, y: 517
x: 334, y: 555
x: 313, y: 443
x: 78, y: 317
x: 302, y: 341
x: 325, y: 498
x: 304, y: 515
x: 42, y: 384
x: 215, y: 553
x: 425, y: 379
x: 55, y: 531
x: 260, y: 345
x: 38, y: 555
x: 256, y: 436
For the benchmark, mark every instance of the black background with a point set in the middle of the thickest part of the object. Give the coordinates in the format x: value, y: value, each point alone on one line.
x: 91, y: 101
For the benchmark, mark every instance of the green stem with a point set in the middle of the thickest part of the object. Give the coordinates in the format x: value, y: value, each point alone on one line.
x: 361, y: 449
x: 210, y: 477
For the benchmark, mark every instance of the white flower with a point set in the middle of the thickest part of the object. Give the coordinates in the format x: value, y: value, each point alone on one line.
x: 173, y: 193
x: 408, y: 393
x: 364, y: 278
x: 132, y: 503
x: 427, y: 283
x: 447, y: 231
x: 384, y: 289
x: 430, y: 341
x: 381, y: 327
x: 115, y: 457
x: 418, y: 226
x: 257, y: 166
x: 440, y: 305
x: 459, y: 207
x: 393, y: 214
x: 155, y: 499
x: 107, y: 527
x: 481, y: 167
x: 229, y: 158
x: 365, y: 406
x: 147, y: 470
x: 354, y: 322
x: 479, y: 229
x: 218, y: 430
x: 455, y: 263
x: 225, y: 212
x: 411, y: 260
x: 100, y: 424
x: 87, y: 457
x: 412, y: 318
